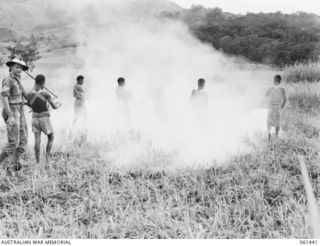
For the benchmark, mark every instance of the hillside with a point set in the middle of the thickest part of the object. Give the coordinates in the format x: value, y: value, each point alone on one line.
x: 23, y: 15
x: 275, y: 39
x: 270, y: 38
x: 7, y: 35
x: 53, y: 21
x: 35, y: 15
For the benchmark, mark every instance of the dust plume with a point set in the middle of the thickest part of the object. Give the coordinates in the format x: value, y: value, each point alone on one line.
x: 161, y: 62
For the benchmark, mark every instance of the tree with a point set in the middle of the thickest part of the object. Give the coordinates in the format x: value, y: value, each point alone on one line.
x: 28, y: 52
x: 214, y: 16
x: 303, y: 52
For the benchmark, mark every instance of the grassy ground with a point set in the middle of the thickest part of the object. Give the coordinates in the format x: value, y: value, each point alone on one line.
x: 259, y: 195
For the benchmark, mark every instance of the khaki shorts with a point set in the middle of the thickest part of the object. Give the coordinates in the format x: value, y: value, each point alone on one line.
x: 42, y: 124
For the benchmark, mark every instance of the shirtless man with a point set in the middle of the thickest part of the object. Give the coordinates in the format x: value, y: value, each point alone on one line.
x: 38, y: 100
x: 199, y: 97
x: 277, y: 99
x: 124, y: 97
x: 122, y: 93
x: 80, y: 100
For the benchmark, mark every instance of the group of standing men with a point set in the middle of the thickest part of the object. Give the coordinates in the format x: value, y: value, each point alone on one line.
x: 276, y: 101
x: 13, y: 97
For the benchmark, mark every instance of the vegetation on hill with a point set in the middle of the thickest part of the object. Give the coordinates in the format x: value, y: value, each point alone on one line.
x: 269, y: 38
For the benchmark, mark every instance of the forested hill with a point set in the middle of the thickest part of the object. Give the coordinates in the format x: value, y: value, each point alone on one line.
x: 270, y: 38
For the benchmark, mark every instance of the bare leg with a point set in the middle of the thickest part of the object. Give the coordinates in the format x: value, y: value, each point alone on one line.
x: 75, y: 119
x: 37, y: 143
x: 277, y: 131
x: 269, y: 132
x: 49, y: 146
x: 84, y: 128
x: 269, y: 136
x: 77, y: 112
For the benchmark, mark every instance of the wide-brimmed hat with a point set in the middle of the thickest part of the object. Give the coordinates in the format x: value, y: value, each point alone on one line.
x: 17, y: 61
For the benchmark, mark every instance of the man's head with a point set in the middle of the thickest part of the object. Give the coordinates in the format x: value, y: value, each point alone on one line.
x: 16, y: 66
x: 80, y: 80
x: 277, y: 79
x: 16, y: 69
x: 121, y: 81
x: 40, y: 81
x: 201, y: 84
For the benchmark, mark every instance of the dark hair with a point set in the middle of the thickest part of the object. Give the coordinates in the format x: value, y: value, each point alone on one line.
x: 201, y: 82
x: 40, y: 79
x: 79, y: 78
x: 121, y: 81
x: 278, y: 77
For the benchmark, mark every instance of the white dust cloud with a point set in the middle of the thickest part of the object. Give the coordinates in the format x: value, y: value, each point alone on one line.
x: 161, y: 62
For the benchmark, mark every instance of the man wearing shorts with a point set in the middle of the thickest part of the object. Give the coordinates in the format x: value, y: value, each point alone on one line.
x: 276, y: 102
x: 41, y: 123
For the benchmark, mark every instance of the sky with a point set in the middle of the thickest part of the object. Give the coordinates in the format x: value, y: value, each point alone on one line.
x: 243, y: 6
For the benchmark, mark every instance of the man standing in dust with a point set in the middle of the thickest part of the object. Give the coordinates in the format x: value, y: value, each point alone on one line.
x: 41, y: 122
x: 200, y: 104
x: 80, y: 119
x: 80, y: 100
x: 124, y: 97
x: 199, y: 98
x: 12, y: 95
x: 277, y: 99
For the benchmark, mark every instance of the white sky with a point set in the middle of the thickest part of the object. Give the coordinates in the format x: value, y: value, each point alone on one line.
x: 243, y: 6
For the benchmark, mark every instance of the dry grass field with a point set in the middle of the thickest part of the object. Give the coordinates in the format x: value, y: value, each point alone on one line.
x: 308, y: 72
x: 258, y: 195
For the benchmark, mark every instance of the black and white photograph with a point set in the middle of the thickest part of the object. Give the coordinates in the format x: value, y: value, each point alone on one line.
x: 159, y: 119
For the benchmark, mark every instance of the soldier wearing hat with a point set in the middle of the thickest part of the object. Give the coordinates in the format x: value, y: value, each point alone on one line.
x: 12, y: 94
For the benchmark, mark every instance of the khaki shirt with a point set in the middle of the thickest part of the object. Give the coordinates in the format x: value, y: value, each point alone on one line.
x: 12, y: 88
